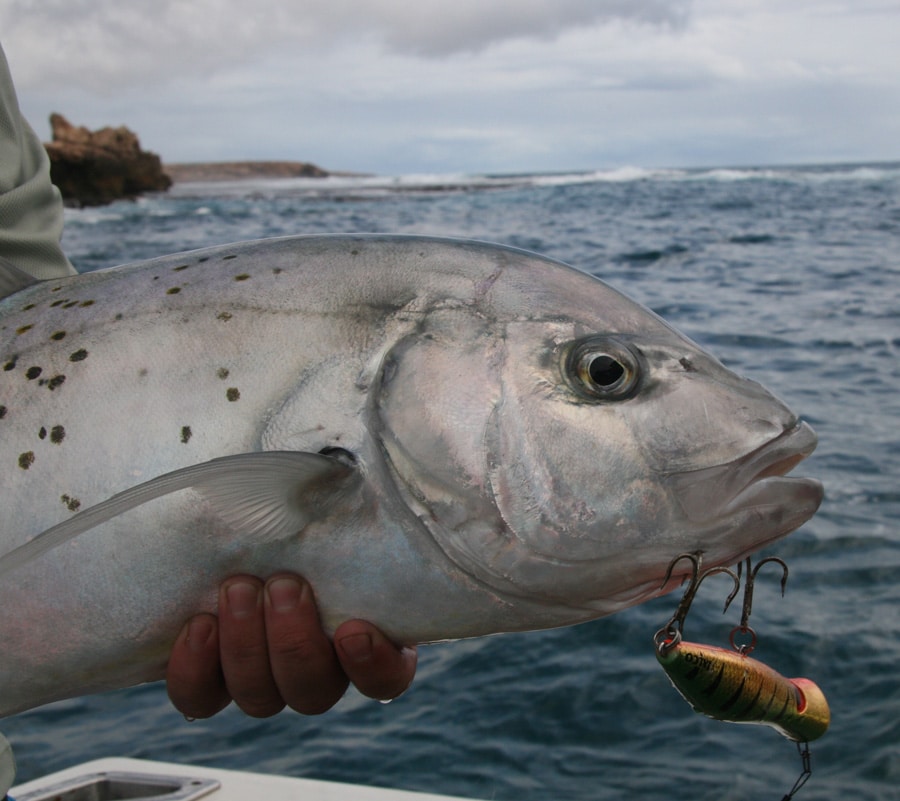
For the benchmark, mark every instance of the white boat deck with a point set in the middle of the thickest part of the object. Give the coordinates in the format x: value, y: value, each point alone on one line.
x: 117, y: 778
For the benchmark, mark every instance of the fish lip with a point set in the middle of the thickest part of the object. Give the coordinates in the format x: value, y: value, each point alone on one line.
x: 727, y: 489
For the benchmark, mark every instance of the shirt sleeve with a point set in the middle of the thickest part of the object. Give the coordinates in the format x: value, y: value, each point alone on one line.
x: 31, y: 209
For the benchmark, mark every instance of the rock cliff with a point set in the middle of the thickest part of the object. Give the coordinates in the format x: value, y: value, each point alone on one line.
x: 92, y: 168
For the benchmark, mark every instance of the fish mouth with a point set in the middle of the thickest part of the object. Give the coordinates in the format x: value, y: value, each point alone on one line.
x: 741, y: 506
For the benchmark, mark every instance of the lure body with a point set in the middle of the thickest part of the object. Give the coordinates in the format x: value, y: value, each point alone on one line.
x: 730, y: 686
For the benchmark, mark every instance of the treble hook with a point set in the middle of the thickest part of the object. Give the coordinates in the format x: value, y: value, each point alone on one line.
x: 670, y: 634
x: 744, y: 627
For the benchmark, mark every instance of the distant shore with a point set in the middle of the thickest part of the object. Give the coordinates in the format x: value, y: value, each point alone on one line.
x: 243, y: 170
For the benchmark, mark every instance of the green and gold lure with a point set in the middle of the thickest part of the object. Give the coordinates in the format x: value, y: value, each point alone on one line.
x: 728, y: 685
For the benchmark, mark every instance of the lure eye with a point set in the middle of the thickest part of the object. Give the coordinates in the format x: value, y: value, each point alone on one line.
x: 603, y: 369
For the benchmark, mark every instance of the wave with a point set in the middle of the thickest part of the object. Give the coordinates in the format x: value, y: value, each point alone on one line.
x: 374, y: 186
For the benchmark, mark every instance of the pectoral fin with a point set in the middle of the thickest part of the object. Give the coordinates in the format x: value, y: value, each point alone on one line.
x: 265, y: 496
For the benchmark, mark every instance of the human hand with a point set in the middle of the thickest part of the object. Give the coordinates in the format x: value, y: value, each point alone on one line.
x: 266, y: 650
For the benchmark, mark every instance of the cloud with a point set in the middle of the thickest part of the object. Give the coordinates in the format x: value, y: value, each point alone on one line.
x: 104, y: 45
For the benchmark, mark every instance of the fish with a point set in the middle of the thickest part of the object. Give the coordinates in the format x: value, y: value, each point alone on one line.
x: 448, y: 438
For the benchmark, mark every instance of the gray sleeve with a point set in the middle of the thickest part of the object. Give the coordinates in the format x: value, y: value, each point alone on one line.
x: 31, y: 210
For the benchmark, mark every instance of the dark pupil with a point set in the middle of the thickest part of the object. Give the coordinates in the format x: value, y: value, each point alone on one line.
x: 605, y: 371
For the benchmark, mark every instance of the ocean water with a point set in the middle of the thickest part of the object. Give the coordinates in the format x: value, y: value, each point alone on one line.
x: 790, y: 276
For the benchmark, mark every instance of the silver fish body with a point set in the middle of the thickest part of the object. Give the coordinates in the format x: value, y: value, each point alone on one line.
x: 446, y: 438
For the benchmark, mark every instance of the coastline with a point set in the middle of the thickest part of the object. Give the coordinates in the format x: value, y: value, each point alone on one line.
x: 207, y: 171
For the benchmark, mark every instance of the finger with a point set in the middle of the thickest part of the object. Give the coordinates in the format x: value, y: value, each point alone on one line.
x: 244, y: 649
x: 377, y: 667
x: 194, y: 677
x: 306, y: 670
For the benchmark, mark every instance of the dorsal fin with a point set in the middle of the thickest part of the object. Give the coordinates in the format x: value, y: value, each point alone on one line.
x: 12, y: 279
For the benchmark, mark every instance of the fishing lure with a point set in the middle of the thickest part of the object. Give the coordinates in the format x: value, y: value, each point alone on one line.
x: 729, y: 685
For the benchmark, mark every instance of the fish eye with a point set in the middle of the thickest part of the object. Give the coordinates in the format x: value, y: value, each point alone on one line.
x: 602, y: 368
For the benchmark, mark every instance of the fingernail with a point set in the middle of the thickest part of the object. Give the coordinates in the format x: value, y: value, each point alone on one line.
x: 243, y: 599
x: 357, y: 647
x: 284, y: 594
x: 200, y: 629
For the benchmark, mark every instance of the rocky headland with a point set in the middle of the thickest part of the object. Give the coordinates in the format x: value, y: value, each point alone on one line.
x: 92, y: 168
x: 242, y: 170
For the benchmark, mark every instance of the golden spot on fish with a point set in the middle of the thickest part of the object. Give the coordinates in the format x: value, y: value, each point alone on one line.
x: 57, y: 434
x: 79, y: 355
x: 180, y: 267
x: 232, y: 394
x: 87, y: 303
x: 241, y: 277
x: 174, y: 290
x: 185, y: 434
x: 23, y: 329
x: 72, y: 504
x: 58, y: 335
x: 33, y: 372
x: 222, y: 373
x: 26, y: 459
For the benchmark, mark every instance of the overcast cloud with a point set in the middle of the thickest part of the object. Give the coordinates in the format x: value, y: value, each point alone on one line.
x: 465, y: 85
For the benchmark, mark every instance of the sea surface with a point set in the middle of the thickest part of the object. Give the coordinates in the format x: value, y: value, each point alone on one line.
x: 790, y: 276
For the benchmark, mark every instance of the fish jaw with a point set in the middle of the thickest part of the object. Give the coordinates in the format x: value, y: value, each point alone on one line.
x: 744, y: 505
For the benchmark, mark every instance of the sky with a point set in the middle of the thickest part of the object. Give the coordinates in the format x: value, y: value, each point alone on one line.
x: 473, y: 86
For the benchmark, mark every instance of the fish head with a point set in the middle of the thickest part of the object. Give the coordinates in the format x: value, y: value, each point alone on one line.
x: 567, y: 456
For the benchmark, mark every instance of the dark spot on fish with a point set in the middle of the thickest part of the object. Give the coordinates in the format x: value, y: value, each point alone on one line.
x: 26, y: 459
x: 232, y: 393
x: 57, y: 434
x: 56, y: 289
x: 229, y: 258
x: 23, y: 329
x: 11, y: 364
x: 143, y: 372
x: 354, y: 252
x: 226, y: 316
x: 29, y: 307
x: 33, y: 372
x: 79, y: 355
x: 87, y: 303
x: 277, y: 270
x: 58, y: 303
x: 56, y: 381
x: 222, y: 372
x: 202, y: 259
x: 2, y: 412
x: 58, y: 335
x: 42, y: 434
x: 119, y: 317
x: 70, y: 304
x: 185, y: 434
x: 241, y: 277
x: 687, y: 364
x: 156, y: 278
x: 72, y: 504
x: 174, y: 290
x: 180, y: 267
